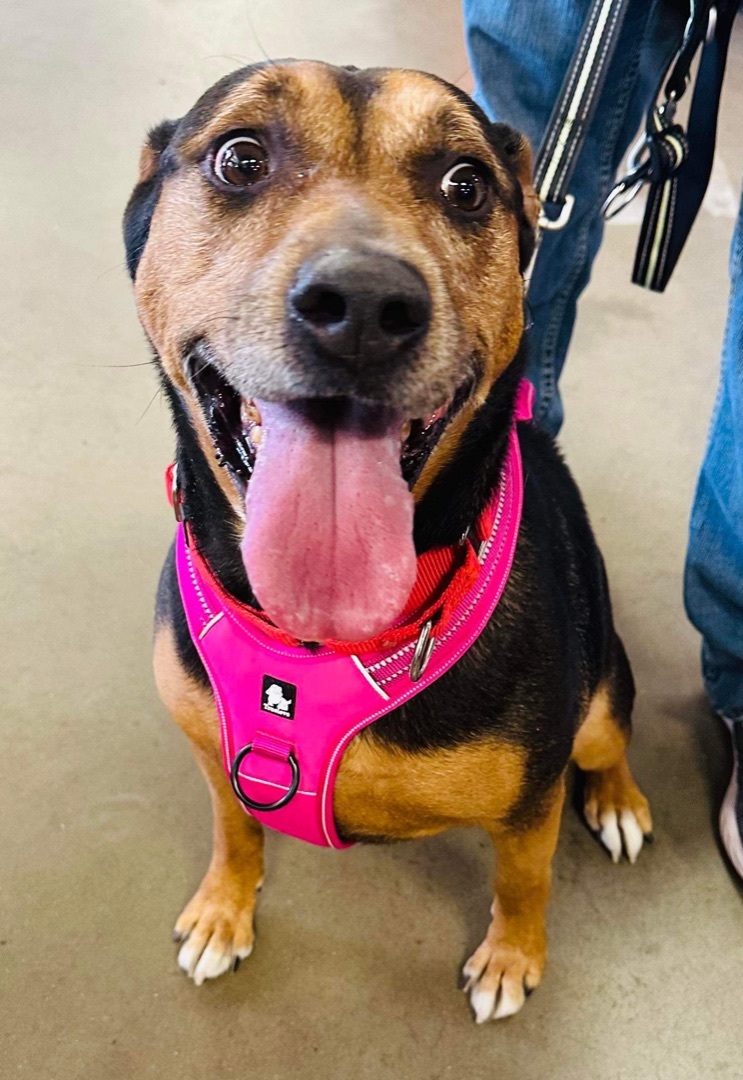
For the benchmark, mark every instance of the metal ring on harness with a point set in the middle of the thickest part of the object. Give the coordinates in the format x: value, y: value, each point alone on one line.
x: 423, y: 649
x: 252, y: 804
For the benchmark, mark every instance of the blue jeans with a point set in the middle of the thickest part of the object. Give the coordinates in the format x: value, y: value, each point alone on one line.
x: 519, y: 53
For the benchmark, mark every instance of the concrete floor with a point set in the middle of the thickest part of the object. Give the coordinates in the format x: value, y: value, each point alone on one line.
x: 105, y: 822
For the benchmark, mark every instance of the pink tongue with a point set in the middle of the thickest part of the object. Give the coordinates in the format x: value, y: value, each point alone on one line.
x: 328, y: 545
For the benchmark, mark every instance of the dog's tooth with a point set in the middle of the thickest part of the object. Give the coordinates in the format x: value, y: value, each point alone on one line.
x: 255, y: 435
x: 249, y: 413
x: 405, y: 432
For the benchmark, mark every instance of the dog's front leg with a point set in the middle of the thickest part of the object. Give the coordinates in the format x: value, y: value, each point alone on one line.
x: 215, y: 928
x: 510, y: 961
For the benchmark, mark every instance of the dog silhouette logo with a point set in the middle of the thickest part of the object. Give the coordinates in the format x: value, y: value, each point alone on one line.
x: 279, y: 698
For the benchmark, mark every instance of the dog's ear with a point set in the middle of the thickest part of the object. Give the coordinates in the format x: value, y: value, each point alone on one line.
x: 141, y: 205
x: 158, y: 140
x: 517, y: 152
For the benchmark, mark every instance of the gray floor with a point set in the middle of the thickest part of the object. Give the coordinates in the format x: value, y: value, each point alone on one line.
x: 105, y: 826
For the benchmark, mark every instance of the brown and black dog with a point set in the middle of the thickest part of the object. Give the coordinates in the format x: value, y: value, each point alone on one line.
x: 353, y: 243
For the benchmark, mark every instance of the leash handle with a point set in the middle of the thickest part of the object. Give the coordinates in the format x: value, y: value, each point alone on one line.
x: 574, y: 110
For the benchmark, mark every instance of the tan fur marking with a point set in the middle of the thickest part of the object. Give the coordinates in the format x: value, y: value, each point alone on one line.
x: 600, y: 749
x: 512, y: 957
x: 148, y: 159
x: 305, y: 90
x: 599, y: 742
x: 413, y: 112
x: 382, y: 791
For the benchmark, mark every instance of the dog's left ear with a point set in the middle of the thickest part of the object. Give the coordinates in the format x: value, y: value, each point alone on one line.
x: 141, y: 205
x: 517, y: 151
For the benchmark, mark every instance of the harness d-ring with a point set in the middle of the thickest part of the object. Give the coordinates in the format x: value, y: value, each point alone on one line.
x: 251, y: 803
x: 422, y: 653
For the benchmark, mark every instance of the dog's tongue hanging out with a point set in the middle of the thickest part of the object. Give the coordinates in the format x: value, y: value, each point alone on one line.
x: 328, y: 545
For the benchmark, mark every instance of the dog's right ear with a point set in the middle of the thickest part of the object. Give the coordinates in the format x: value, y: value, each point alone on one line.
x: 518, y: 153
x: 141, y: 205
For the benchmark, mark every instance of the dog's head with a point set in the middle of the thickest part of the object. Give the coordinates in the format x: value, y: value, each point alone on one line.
x: 328, y: 263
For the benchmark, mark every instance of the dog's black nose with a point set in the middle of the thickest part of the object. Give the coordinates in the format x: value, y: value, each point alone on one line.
x: 360, y: 306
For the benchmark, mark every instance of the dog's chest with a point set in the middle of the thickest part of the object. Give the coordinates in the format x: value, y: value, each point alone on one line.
x: 385, y: 792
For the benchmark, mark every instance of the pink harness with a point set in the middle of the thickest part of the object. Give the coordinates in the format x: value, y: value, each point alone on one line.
x: 287, y: 712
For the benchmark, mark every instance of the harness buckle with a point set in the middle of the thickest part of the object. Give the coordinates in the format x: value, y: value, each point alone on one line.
x: 423, y: 650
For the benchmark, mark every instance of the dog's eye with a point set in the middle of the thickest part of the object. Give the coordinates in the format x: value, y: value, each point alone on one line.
x: 465, y: 187
x: 240, y: 161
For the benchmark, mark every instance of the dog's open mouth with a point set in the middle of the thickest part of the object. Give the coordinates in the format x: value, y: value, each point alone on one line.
x: 235, y: 425
x: 328, y: 543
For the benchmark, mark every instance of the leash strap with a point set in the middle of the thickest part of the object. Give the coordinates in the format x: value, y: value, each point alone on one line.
x: 674, y: 162
x: 677, y: 163
x: 574, y: 110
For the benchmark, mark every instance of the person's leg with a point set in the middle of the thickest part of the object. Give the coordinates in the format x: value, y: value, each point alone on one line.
x: 713, y: 587
x: 519, y: 54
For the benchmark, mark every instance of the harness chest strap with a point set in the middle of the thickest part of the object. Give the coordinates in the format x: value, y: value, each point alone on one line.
x: 288, y: 711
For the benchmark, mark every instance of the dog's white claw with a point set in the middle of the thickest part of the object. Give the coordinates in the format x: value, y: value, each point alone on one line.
x: 509, y: 1004
x: 208, y: 962
x: 632, y: 834
x: 610, y: 836
x: 483, y: 1004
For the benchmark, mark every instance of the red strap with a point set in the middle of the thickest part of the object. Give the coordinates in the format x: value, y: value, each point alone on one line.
x: 169, y: 474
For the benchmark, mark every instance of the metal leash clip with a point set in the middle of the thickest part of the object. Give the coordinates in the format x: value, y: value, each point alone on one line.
x: 630, y: 185
x: 423, y: 649
x: 555, y: 224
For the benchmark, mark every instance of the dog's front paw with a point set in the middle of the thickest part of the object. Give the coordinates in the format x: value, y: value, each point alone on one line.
x: 498, y: 978
x: 617, y: 812
x: 215, y: 928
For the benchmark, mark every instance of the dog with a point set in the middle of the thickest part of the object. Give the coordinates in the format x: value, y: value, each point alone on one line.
x: 325, y: 243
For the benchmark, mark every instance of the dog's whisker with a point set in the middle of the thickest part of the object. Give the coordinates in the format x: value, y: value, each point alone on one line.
x: 228, y: 56
x: 113, y: 367
x: 254, y: 32
x: 158, y: 393
x: 118, y: 266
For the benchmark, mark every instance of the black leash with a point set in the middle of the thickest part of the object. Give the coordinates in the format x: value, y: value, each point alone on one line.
x: 679, y: 163
x: 676, y: 164
x: 574, y: 110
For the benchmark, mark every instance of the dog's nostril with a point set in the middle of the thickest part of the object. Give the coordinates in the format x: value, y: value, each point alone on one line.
x: 321, y: 306
x: 400, y: 317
